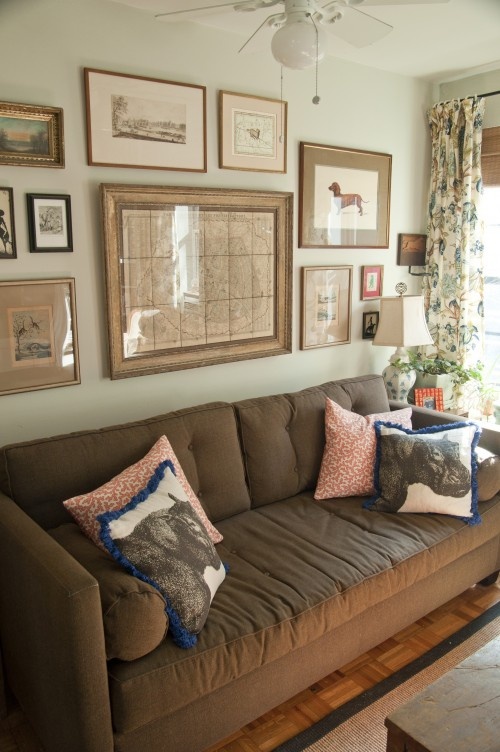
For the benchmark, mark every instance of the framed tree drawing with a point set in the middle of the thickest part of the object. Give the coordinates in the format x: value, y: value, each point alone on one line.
x: 326, y: 306
x: 344, y: 197
x: 134, y: 121
x: 38, y: 335
x: 49, y: 223
x: 195, y: 276
x: 252, y: 133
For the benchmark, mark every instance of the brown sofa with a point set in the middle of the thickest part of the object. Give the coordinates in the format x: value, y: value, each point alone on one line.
x: 311, y: 585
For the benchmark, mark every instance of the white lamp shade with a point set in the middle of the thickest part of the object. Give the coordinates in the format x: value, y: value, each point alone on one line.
x: 402, y: 322
x: 298, y: 44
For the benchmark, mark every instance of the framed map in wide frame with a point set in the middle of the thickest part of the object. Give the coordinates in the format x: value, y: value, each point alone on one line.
x: 195, y: 276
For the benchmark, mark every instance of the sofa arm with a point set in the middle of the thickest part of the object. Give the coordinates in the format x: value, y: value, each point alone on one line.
x: 52, y: 637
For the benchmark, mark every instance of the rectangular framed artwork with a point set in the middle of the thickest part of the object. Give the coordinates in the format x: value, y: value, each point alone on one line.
x: 49, y: 223
x: 411, y: 249
x: 370, y: 324
x: 252, y: 133
x: 38, y: 335
x: 133, y: 121
x: 371, y: 282
x: 195, y: 276
x: 8, y: 248
x: 430, y: 397
x: 344, y: 197
x: 326, y: 306
x: 31, y: 135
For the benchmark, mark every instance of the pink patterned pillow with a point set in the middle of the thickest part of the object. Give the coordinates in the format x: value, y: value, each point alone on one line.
x: 349, y: 455
x: 110, y: 496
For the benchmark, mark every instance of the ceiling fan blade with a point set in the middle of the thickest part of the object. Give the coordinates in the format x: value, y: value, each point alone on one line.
x: 358, y: 28
x: 367, y: 3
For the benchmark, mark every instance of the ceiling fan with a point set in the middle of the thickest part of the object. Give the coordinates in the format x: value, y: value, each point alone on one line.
x: 299, y: 30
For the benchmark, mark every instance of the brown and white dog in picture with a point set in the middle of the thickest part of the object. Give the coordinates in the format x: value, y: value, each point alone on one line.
x: 343, y: 200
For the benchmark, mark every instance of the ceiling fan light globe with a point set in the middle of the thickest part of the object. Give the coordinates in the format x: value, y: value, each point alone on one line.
x: 296, y: 46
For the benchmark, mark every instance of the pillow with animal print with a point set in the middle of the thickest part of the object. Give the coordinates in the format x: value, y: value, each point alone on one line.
x: 349, y: 454
x: 429, y: 470
x: 159, y: 538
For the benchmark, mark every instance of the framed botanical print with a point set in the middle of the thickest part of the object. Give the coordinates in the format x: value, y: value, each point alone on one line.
x: 7, y: 231
x: 371, y: 282
x: 252, y: 133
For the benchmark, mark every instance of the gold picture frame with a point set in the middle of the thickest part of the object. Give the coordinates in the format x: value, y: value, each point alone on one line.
x: 344, y: 197
x: 38, y: 335
x: 326, y: 306
x: 195, y: 276
x: 31, y: 135
x: 252, y: 133
x: 145, y: 123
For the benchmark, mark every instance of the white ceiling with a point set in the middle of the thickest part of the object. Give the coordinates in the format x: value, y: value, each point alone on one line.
x: 437, y: 42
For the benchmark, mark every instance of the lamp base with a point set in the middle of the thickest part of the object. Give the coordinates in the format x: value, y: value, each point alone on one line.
x: 398, y: 383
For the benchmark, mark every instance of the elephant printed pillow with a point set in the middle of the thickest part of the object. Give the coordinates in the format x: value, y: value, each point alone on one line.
x: 428, y: 470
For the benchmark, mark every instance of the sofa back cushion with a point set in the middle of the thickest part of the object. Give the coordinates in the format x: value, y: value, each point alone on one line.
x: 283, y: 436
x: 39, y: 475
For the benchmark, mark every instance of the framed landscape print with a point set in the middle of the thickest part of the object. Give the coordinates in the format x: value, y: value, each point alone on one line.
x: 344, y: 197
x: 7, y: 231
x: 326, y: 306
x: 252, y: 133
x: 38, y: 336
x: 49, y: 223
x: 133, y: 121
x: 195, y: 276
x: 31, y: 135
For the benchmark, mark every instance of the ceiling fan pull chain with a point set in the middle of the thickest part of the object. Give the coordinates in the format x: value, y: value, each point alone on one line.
x: 316, y: 99
x: 281, y: 102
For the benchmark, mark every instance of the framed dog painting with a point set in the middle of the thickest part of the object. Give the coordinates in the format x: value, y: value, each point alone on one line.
x: 344, y: 197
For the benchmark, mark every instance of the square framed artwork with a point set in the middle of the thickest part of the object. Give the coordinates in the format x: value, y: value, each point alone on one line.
x: 195, y: 276
x: 344, y: 197
x: 326, y: 306
x: 8, y: 248
x: 134, y: 121
x: 430, y: 397
x: 49, y: 223
x: 411, y: 249
x: 38, y: 335
x: 32, y: 136
x: 371, y: 282
x: 252, y: 132
x: 370, y: 324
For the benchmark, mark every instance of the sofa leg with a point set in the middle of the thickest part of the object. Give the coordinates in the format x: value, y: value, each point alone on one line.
x: 491, y: 579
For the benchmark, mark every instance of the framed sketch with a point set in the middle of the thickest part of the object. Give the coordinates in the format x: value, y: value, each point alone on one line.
x: 344, y: 197
x: 430, y: 397
x: 195, y: 276
x: 326, y: 306
x: 371, y: 282
x: 133, y: 121
x: 411, y: 249
x: 252, y: 133
x: 38, y: 336
x: 7, y: 231
x: 31, y: 136
x: 370, y: 324
x: 49, y: 223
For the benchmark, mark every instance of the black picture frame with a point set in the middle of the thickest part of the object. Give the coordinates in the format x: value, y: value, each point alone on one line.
x: 49, y: 223
x: 7, y: 227
x: 370, y: 324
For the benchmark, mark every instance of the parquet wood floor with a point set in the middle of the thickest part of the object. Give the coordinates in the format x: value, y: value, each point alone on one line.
x: 303, y: 710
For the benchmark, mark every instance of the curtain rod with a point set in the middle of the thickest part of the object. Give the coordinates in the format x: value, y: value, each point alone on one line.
x: 486, y: 94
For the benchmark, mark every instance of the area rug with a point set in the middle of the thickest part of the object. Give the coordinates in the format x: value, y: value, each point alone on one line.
x: 358, y: 725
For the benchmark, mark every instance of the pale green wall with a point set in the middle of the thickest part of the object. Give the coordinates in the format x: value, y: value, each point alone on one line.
x: 481, y: 83
x: 45, y: 44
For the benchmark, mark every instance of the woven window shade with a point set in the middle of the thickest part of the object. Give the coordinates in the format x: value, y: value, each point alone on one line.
x: 490, y: 156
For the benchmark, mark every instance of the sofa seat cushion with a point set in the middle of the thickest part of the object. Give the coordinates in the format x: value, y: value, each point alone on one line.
x: 298, y: 568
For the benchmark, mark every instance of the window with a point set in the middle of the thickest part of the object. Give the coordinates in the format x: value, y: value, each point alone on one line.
x: 490, y: 165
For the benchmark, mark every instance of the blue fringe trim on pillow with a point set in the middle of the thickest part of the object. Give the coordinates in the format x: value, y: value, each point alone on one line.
x: 180, y: 635
x: 475, y: 519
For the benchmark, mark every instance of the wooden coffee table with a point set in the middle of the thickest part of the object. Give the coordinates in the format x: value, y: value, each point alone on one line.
x: 458, y: 713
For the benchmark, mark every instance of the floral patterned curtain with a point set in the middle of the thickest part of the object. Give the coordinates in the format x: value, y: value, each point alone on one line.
x: 454, y: 290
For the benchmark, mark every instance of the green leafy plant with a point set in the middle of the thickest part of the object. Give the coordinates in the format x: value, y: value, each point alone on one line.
x: 436, y: 366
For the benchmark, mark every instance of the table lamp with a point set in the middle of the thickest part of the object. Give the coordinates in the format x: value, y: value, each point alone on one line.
x: 401, y: 324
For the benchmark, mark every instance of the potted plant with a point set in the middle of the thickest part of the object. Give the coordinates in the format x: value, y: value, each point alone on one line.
x: 441, y: 372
